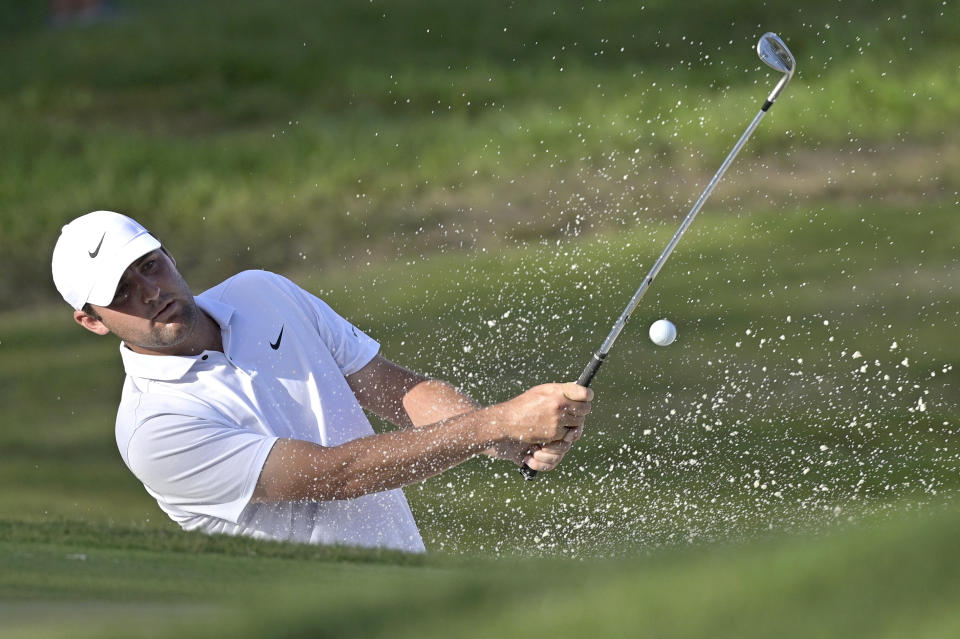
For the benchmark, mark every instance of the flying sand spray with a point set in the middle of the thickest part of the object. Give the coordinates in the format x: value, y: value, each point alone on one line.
x: 777, y: 56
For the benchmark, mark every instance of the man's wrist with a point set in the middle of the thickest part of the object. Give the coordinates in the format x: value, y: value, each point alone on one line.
x: 491, y: 426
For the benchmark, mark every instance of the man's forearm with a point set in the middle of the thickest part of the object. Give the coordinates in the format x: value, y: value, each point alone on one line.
x: 406, y: 398
x: 298, y: 470
x: 433, y: 400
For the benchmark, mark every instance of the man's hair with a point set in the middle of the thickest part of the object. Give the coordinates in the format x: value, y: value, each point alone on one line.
x: 86, y: 308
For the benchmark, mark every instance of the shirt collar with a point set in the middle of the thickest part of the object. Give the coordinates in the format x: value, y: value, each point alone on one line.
x: 173, y: 367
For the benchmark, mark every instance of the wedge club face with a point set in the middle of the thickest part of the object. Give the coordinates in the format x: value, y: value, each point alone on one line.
x: 777, y: 56
x: 775, y: 53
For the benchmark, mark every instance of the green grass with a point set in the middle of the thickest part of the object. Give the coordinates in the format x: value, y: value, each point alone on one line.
x: 884, y: 578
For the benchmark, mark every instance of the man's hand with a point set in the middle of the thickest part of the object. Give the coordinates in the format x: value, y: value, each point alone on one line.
x: 543, y: 414
x: 539, y: 457
x: 541, y: 425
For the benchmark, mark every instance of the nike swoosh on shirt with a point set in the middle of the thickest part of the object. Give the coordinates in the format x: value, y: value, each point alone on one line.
x: 276, y: 345
x: 96, y: 251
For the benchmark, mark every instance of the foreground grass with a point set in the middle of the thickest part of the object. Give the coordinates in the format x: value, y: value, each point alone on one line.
x: 882, y: 578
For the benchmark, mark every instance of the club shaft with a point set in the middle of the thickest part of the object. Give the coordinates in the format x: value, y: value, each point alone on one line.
x: 601, y: 354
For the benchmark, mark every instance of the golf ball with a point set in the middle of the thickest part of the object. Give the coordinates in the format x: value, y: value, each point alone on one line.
x: 663, y: 332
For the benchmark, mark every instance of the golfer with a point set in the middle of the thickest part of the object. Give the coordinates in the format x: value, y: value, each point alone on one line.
x: 242, y: 411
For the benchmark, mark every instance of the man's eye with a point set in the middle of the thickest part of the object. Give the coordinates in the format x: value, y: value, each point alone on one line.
x: 149, y: 265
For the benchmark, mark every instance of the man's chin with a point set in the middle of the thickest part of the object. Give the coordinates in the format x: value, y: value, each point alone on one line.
x: 176, y: 327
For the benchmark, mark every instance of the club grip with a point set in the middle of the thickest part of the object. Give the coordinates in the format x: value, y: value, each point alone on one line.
x: 585, y: 378
x: 528, y: 473
x: 588, y: 373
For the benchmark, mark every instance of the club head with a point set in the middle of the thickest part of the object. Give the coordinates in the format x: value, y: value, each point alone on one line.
x: 777, y: 56
x: 775, y: 53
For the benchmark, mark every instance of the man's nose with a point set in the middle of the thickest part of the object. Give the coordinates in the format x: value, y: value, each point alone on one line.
x: 147, y: 288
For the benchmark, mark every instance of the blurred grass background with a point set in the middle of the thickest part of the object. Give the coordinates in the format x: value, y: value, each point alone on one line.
x: 482, y: 187
x: 248, y: 135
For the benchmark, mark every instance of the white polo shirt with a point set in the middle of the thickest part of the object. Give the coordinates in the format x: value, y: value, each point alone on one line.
x: 197, y: 430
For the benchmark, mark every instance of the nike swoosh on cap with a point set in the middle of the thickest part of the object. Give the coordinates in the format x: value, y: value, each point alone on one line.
x: 96, y: 251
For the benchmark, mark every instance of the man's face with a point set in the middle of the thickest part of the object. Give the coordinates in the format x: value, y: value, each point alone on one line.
x: 153, y: 309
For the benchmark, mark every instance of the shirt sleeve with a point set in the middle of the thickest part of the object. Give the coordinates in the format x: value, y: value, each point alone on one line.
x: 351, y: 348
x: 198, y: 465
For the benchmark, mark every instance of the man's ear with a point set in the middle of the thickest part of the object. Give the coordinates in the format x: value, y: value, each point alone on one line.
x: 91, y: 323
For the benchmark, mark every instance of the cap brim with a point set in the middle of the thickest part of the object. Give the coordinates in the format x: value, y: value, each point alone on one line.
x: 105, y: 287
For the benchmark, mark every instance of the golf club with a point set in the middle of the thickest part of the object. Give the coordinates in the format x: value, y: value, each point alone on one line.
x: 777, y: 56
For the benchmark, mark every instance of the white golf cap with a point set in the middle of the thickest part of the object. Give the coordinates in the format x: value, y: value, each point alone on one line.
x: 92, y: 253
